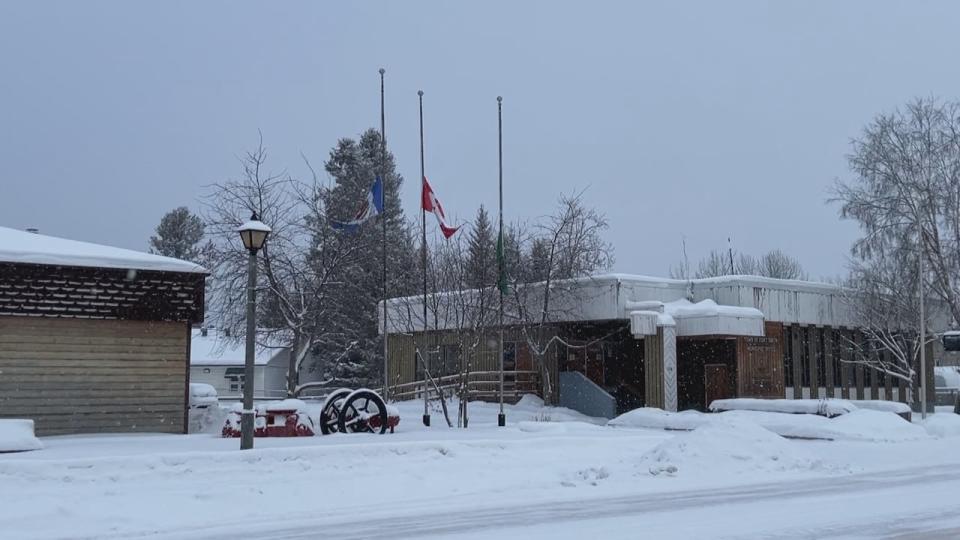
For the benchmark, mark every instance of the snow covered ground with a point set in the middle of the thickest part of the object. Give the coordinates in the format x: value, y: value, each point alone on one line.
x: 551, y: 473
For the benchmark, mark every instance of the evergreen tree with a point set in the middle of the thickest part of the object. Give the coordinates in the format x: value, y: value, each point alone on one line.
x: 178, y: 235
x: 539, y: 266
x: 353, y: 165
x: 481, y: 268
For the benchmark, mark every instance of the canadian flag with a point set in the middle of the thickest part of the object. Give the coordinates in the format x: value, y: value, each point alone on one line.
x: 431, y: 204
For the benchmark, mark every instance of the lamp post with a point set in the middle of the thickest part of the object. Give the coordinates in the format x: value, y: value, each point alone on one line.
x: 254, y: 234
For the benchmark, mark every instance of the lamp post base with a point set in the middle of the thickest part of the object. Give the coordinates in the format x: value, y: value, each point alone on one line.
x: 426, y: 420
x: 501, y: 420
x: 246, y: 431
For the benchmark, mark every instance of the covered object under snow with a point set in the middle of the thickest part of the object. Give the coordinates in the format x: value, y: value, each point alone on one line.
x: 94, y: 338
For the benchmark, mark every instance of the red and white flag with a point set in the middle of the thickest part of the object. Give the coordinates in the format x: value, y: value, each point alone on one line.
x: 430, y: 204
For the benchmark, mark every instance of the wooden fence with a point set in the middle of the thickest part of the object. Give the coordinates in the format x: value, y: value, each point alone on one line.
x: 481, y: 385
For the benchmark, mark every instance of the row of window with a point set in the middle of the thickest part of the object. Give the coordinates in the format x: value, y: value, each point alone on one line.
x: 839, y: 344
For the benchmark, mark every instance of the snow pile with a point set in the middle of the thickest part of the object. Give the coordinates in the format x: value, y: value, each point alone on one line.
x: 822, y: 407
x: 942, y: 425
x: 876, y: 426
x: 857, y: 425
x: 880, y: 405
x: 17, y: 436
x: 282, y: 405
x: 728, y: 444
x: 532, y: 408
x: 654, y: 418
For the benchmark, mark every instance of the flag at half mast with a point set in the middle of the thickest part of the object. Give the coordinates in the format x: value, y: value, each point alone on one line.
x: 372, y: 206
x: 430, y: 204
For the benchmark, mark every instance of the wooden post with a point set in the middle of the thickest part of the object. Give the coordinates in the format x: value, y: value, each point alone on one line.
x: 828, y: 360
x: 797, y: 354
x: 844, y: 356
x: 861, y: 379
x: 653, y: 369
x: 813, y: 334
x: 888, y: 380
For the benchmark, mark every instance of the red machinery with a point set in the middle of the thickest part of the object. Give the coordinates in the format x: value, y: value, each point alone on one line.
x: 282, y: 419
x: 344, y: 411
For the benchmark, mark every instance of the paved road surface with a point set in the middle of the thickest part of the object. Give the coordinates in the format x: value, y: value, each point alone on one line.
x: 909, y: 504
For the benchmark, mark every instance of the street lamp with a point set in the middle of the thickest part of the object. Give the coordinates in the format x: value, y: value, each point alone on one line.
x: 254, y: 234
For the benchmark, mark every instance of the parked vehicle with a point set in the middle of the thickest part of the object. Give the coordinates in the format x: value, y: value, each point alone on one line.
x: 947, y: 382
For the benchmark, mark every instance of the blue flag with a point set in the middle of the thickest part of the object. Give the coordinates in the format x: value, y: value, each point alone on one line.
x: 371, y: 207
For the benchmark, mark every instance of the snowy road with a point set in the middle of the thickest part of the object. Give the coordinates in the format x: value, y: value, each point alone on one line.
x: 533, y: 479
x: 920, y: 503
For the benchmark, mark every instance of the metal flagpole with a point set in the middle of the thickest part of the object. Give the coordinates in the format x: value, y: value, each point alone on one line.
x: 423, y: 256
x: 383, y: 218
x: 501, y: 418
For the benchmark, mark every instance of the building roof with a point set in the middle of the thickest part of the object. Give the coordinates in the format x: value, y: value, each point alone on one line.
x: 215, y: 349
x: 18, y: 246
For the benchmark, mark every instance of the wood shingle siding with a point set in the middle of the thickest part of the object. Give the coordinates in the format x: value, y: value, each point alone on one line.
x: 88, y: 375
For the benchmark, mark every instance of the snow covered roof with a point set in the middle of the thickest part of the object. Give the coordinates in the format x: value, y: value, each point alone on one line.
x: 702, y: 318
x: 18, y: 246
x: 214, y: 349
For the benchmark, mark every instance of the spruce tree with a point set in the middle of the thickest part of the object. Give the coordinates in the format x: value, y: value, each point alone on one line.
x: 481, y: 270
x: 178, y: 235
x: 354, y: 165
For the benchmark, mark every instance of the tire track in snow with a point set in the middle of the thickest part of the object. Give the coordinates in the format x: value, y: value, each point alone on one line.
x: 451, y: 520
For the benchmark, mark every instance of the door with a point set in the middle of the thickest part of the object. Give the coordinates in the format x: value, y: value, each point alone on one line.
x: 717, y: 382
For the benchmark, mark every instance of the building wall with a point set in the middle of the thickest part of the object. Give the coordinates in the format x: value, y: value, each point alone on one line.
x: 270, y: 381
x: 94, y: 375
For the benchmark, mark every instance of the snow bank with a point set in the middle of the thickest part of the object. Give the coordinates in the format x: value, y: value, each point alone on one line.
x: 653, y: 418
x: 877, y: 426
x: 858, y: 425
x: 17, y: 436
x: 894, y: 407
x: 822, y: 407
x: 726, y: 444
x: 942, y: 425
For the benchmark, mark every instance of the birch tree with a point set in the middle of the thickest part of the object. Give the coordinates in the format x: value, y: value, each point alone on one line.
x: 905, y: 194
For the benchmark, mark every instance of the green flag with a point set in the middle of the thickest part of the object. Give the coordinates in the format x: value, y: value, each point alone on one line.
x: 502, y: 265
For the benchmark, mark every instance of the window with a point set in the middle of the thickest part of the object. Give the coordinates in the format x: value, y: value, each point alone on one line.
x: 235, y: 378
x: 450, y: 360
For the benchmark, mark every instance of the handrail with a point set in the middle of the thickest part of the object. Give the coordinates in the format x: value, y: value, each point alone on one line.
x: 479, y: 383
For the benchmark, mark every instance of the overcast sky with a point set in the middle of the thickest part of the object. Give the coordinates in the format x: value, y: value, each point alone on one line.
x: 681, y: 120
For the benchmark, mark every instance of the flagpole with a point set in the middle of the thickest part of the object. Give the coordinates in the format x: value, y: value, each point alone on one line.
x: 501, y: 418
x: 383, y: 219
x: 423, y: 255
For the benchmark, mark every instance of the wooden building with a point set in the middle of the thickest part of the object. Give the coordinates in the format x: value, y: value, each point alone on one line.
x: 94, y: 338
x: 634, y: 341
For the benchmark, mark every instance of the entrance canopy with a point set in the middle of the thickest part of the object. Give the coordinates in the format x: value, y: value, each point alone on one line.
x: 704, y: 318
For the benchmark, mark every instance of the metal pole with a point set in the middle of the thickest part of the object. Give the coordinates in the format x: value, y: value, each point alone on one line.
x: 247, y: 415
x: 423, y: 255
x: 383, y: 218
x: 501, y: 418
x: 923, y: 340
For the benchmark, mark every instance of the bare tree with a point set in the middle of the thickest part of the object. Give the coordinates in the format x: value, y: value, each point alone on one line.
x: 779, y: 265
x: 884, y: 303
x: 297, y: 264
x: 574, y: 247
x: 905, y: 194
x: 774, y: 264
